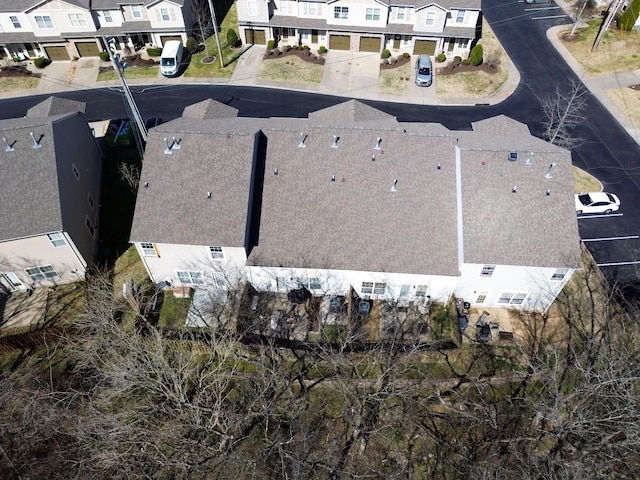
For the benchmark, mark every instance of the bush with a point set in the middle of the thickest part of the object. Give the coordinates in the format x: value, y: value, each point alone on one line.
x: 322, y: 50
x: 154, y: 51
x: 232, y: 37
x: 406, y: 55
x: 305, y: 47
x: 385, y: 53
x: 271, y: 44
x: 466, y: 61
x: 441, y: 57
x: 627, y: 19
x: 41, y: 62
x: 475, y: 57
x: 192, y: 45
x: 104, y: 56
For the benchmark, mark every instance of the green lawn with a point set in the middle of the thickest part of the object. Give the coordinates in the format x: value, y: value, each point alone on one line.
x: 291, y: 69
x: 129, y: 73
x: 10, y: 84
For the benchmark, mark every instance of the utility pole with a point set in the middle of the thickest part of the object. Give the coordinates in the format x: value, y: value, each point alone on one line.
x: 613, y: 8
x: 215, y: 29
x: 139, y: 128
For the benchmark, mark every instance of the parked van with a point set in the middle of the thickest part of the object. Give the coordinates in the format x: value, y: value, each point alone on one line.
x: 424, y: 72
x: 171, y: 58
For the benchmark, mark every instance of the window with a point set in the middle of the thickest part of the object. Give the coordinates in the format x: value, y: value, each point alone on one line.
x: 341, y: 13
x: 43, y: 21
x: 487, y: 270
x: 513, y: 298
x: 149, y: 249
x: 375, y: 288
x: 41, y: 273
x: 90, y: 226
x: 460, y: 16
x: 252, y: 8
x: 312, y: 9
x: 107, y: 16
x: 57, y: 239
x: 164, y: 15
x: 314, y: 283
x: 218, y: 279
x: 90, y: 201
x: 135, y: 11
x: 77, y: 20
x: 76, y: 173
x: 281, y: 283
x: 482, y: 296
x: 431, y: 18
x: 216, y: 253
x: 559, y: 274
x: 284, y: 6
x: 12, y: 279
x: 401, y: 13
x: 373, y: 14
x: 194, y: 278
x: 421, y: 291
x: 15, y: 21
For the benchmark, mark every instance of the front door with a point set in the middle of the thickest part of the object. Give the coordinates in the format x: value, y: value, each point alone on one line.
x: 396, y: 42
x: 314, y: 36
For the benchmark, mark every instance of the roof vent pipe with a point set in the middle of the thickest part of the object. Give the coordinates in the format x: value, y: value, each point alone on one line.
x: 373, y: 157
x: 167, y: 149
x: 514, y: 189
x: 393, y: 187
x: 529, y: 159
x: 333, y: 178
x: 275, y: 171
x: 378, y: 142
x: 335, y: 141
x: 176, y: 144
x: 9, y: 147
x: 548, y: 175
x: 548, y: 192
x: 36, y: 143
x: 303, y: 137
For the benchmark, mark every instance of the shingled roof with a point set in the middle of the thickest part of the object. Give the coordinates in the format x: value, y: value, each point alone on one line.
x: 56, y: 106
x: 209, y: 109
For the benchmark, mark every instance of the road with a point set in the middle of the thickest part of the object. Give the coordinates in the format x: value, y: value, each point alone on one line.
x: 608, y: 152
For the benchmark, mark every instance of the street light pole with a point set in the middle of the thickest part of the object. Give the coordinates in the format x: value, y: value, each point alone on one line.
x: 215, y: 29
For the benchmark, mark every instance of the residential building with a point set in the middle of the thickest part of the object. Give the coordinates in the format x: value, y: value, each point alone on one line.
x: 351, y: 198
x: 63, y: 29
x: 414, y: 26
x: 50, y: 196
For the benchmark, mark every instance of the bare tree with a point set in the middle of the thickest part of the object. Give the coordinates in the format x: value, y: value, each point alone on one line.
x: 564, y: 110
x: 202, y: 22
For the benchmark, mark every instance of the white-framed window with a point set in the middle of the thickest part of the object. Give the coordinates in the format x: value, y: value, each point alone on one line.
x: 281, y: 283
x: 421, y: 291
x: 373, y: 14
x: 431, y: 18
x: 376, y: 288
x: 43, y: 22
x: 77, y: 20
x: 559, y: 274
x: 487, y: 270
x: 57, y: 239
x: 12, y: 279
x: 252, y: 8
x: 90, y: 227
x: 136, y: 12
x: 149, y: 249
x: 41, y: 272
x: 341, y: 13
x: 219, y: 280
x: 401, y: 13
x: 284, y: 6
x: 482, y: 297
x: 216, y: 252
x: 190, y: 277
x: 512, y: 298
x: 460, y: 16
x: 76, y: 172
x: 312, y: 9
x: 107, y: 16
x: 165, y: 15
x: 312, y: 283
x: 462, y: 43
x: 15, y: 21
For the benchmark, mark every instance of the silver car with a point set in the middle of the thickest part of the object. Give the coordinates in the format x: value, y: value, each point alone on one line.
x: 424, y: 71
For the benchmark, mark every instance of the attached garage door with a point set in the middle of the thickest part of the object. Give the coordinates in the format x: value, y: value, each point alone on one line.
x: 369, y: 44
x: 339, y: 42
x: 167, y: 38
x: 57, y: 53
x: 256, y: 37
x: 88, y: 49
x: 427, y: 47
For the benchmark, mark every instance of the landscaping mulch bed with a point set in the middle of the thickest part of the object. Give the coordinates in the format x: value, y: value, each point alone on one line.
x: 132, y: 61
x: 17, y: 72
x: 450, y: 70
x: 305, y: 55
x: 395, y: 63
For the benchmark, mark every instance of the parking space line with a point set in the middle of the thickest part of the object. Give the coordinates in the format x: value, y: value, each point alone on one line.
x: 602, y: 239
x: 603, y: 215
x: 537, y: 9
x: 617, y: 264
x: 547, y: 17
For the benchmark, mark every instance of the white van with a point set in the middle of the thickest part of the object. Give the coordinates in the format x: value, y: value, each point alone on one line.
x: 171, y: 58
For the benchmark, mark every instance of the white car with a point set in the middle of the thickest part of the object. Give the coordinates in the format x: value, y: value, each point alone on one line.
x: 597, y: 202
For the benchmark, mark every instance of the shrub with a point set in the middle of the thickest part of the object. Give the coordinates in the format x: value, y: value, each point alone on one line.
x: 305, y: 47
x: 295, y: 47
x: 41, y: 62
x: 385, y: 53
x: 322, y: 50
x: 492, y: 57
x: 406, y: 55
x: 104, y: 56
x: 154, y: 51
x: 627, y: 19
x: 466, y: 61
x: 441, y: 57
x: 271, y: 44
x: 192, y: 45
x: 475, y: 57
x: 232, y: 37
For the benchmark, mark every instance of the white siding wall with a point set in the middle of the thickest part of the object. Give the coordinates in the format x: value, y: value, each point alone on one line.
x: 535, y: 281
x: 128, y: 13
x: 175, y: 15
x: 285, y: 7
x: 6, y: 25
x: 117, y: 18
x: 409, y: 15
x: 439, y: 18
x: 259, y: 11
x: 59, y: 13
x: 357, y: 13
x: 470, y: 19
x: 18, y: 255
x: 191, y: 258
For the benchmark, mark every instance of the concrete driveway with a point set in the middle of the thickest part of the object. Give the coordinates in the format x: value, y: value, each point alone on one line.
x: 351, y: 74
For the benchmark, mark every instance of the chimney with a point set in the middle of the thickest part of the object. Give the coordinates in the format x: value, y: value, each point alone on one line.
x: 548, y: 174
x: 9, y: 147
x: 36, y: 143
x: 335, y: 141
x: 303, y: 137
x: 378, y: 142
x: 168, y: 148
